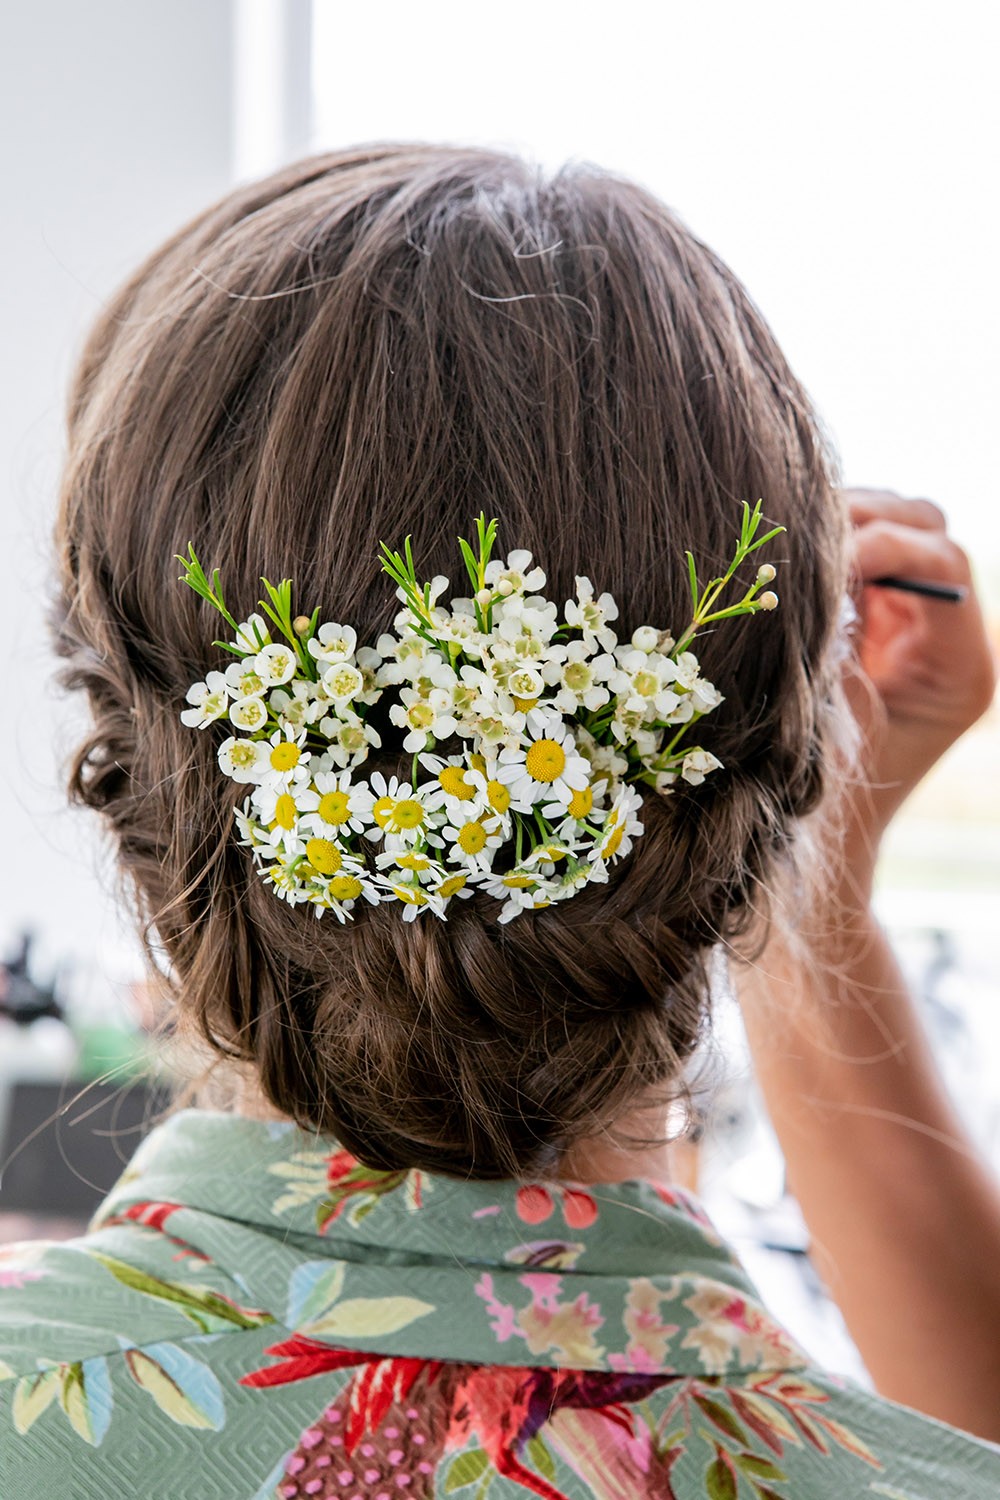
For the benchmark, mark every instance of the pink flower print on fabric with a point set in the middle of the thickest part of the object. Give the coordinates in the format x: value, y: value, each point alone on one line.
x: 564, y: 1331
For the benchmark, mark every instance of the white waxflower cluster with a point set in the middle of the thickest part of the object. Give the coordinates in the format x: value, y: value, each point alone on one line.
x: 525, y: 728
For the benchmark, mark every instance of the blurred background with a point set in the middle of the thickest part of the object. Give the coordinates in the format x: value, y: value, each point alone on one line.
x: 842, y: 159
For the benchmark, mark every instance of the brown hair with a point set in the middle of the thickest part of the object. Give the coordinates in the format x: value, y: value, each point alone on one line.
x: 383, y: 341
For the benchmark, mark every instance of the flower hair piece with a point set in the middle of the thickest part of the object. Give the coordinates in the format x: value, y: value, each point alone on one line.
x: 528, y: 732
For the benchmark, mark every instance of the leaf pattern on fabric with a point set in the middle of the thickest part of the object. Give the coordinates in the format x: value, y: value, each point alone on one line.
x: 183, y: 1387
x: 209, y: 1310
x: 82, y: 1389
x: 343, y: 1186
x: 316, y: 1308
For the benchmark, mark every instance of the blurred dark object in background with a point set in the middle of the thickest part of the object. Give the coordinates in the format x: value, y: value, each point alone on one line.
x: 65, y: 1145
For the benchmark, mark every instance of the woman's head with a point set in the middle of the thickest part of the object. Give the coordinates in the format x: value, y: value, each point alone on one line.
x: 387, y: 341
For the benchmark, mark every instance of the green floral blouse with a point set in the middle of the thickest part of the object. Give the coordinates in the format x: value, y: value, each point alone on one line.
x: 254, y: 1315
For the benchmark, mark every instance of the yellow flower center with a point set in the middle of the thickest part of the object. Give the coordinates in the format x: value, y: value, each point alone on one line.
x: 577, y: 676
x: 345, y: 888
x: 518, y: 882
x: 420, y: 715
x: 613, y: 844
x: 498, y: 796
x: 478, y: 763
x: 524, y: 704
x: 408, y: 813
x: 451, y: 885
x: 452, y: 778
x: 383, y: 810
x: 284, y: 811
x: 412, y: 894
x: 323, y: 856
x: 581, y: 803
x: 646, y: 684
x: 413, y: 861
x: 472, y: 838
x: 243, y: 754
x: 286, y: 756
x: 545, y: 761
x: 251, y: 684
x: 343, y: 682
x: 333, y: 807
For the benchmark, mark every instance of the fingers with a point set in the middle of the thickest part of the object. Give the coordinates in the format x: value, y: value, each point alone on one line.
x: 885, y: 505
x: 886, y: 548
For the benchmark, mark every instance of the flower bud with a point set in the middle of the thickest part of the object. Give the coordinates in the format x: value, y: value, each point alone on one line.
x: 301, y: 624
x: 767, y: 601
x: 766, y: 574
x: 646, y: 638
x: 505, y: 587
x: 484, y: 598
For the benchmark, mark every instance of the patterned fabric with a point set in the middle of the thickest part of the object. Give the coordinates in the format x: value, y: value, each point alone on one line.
x: 254, y: 1315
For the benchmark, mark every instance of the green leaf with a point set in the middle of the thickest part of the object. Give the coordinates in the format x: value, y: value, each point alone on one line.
x: 167, y: 1388
x: 723, y: 1419
x: 366, y: 1317
x: 763, y: 1468
x: 720, y: 1478
x: 541, y: 1458
x: 465, y: 1469
x: 32, y: 1395
x: 202, y: 1305
x: 693, y: 577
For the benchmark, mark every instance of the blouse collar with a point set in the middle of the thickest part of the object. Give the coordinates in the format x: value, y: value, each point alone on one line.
x: 627, y: 1277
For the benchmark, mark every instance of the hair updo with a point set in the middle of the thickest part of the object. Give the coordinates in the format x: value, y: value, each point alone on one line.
x: 386, y: 341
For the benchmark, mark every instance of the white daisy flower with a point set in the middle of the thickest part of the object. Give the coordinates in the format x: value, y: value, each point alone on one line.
x: 545, y: 764
x: 278, y: 808
x: 474, y: 839
x: 592, y: 615
x: 621, y: 827
x: 399, y: 809
x: 415, y: 897
x: 453, y: 784
x: 426, y: 717
x: 277, y: 664
x: 284, y: 757
x: 644, y: 682
x: 248, y: 714
x: 493, y: 793
x: 252, y: 834
x: 342, y: 681
x: 243, y: 760
x: 414, y: 863
x: 243, y: 680
x: 339, y: 892
x: 453, y: 884
x: 341, y: 804
x: 526, y: 624
x: 582, y: 678
x: 253, y: 635
x: 350, y: 739
x: 585, y: 805
x: 520, y: 890
x: 210, y: 699
x: 285, y: 882
x: 698, y: 764
x: 516, y: 576
x: 333, y: 643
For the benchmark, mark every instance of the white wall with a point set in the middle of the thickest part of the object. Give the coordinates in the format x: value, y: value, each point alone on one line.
x: 115, y: 126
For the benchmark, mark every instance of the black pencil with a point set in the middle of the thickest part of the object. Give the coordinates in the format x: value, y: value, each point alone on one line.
x: 949, y: 593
